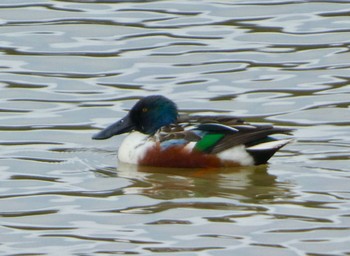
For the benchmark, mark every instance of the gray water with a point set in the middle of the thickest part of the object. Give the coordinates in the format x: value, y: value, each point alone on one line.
x: 69, y: 68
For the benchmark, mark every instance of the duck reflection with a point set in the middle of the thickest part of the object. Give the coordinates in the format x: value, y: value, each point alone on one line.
x: 249, y: 184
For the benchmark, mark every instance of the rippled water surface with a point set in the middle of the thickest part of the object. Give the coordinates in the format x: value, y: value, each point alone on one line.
x: 69, y: 68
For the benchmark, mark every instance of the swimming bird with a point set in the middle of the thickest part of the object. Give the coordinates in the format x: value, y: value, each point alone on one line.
x: 160, y: 136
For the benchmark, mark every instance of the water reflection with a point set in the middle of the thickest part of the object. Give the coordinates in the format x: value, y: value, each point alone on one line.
x: 247, y: 184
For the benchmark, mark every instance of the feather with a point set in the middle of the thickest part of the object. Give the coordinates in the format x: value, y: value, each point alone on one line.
x: 215, y: 134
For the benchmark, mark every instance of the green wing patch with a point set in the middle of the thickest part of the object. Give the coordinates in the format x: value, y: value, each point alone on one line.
x: 208, y: 142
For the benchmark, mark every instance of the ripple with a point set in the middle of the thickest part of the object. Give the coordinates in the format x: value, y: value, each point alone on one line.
x: 26, y: 213
x: 69, y: 67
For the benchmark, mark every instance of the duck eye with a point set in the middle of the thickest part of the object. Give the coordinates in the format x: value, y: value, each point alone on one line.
x: 144, y: 110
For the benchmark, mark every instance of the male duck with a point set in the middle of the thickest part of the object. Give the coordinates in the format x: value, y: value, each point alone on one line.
x: 160, y: 137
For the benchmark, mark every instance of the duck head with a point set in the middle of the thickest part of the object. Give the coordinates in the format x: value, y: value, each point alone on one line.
x: 147, y: 116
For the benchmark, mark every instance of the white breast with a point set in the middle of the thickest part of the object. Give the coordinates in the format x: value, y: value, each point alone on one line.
x: 134, y: 147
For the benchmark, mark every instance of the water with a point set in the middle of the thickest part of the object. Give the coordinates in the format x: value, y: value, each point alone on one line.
x: 69, y: 68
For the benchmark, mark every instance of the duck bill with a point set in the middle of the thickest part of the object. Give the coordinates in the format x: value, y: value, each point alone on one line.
x: 122, y: 126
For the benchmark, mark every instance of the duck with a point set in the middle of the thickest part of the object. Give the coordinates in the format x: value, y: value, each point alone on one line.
x: 159, y: 136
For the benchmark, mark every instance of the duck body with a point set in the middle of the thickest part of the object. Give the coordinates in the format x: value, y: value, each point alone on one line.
x: 158, y: 136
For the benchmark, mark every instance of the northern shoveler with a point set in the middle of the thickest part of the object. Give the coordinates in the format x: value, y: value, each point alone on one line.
x: 159, y: 136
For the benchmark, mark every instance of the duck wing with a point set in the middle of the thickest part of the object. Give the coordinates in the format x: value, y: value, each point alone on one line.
x: 219, y: 133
